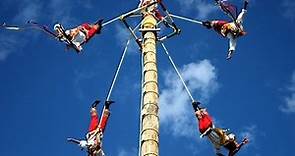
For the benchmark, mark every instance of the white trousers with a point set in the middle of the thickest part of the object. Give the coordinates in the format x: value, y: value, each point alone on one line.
x: 232, y: 41
x: 79, y: 39
x: 230, y: 36
x: 241, y: 16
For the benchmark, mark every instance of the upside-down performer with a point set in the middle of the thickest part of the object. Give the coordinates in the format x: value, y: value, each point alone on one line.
x: 231, y: 30
x: 93, y: 142
x: 217, y: 136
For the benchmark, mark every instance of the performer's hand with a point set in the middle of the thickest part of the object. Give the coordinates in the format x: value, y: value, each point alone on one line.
x: 83, y: 144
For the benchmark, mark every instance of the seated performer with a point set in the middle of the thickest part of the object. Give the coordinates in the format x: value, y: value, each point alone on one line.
x: 79, y: 35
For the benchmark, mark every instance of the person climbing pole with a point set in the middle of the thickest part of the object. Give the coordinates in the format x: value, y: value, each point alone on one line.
x: 231, y: 30
x: 93, y: 142
x: 78, y: 35
x: 155, y: 11
x: 217, y: 136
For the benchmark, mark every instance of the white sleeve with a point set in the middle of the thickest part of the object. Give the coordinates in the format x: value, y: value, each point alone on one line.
x: 83, y: 144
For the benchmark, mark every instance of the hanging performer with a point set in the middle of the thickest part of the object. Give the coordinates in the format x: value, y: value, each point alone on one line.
x: 231, y: 30
x: 93, y: 142
x: 79, y: 35
x: 219, y: 137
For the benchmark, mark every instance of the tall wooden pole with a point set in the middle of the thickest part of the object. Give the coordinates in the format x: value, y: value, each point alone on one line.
x: 150, y: 110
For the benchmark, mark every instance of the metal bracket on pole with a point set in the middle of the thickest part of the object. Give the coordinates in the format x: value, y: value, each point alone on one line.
x: 128, y: 14
x: 176, y: 31
x: 170, y: 23
x: 132, y: 14
x: 122, y: 18
x: 153, y: 30
x: 167, y: 12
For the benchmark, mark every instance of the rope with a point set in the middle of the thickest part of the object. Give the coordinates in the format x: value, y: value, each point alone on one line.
x: 166, y: 11
x: 120, y: 64
x: 132, y: 35
x: 138, y: 9
x: 110, y: 21
x: 10, y: 27
x: 171, y: 23
x: 175, y: 68
x: 186, y: 19
x: 161, y: 21
x: 141, y: 103
x: 113, y: 82
x: 131, y: 31
x: 134, y: 16
x: 115, y: 78
x: 127, y: 14
x: 117, y: 71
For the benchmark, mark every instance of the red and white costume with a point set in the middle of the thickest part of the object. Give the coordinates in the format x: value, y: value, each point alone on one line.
x: 205, y: 122
x: 231, y: 30
x: 95, y: 133
x: 89, y: 30
x: 153, y: 9
x: 82, y: 34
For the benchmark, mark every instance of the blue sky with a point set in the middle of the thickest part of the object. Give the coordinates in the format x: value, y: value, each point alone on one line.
x: 46, y: 92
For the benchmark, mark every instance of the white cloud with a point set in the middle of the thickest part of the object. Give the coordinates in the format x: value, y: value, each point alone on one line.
x: 87, y: 4
x: 249, y: 132
x: 7, y: 45
x: 32, y: 9
x: 122, y: 35
x: 290, y: 104
x: 29, y: 10
x: 289, y: 9
x: 11, y: 43
x: 61, y: 11
x: 202, y: 7
x: 123, y: 152
x: 290, y: 100
x: 80, y: 78
x: 176, y: 112
x: 201, y: 77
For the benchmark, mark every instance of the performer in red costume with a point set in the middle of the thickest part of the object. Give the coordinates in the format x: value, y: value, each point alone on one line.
x: 218, y: 137
x: 231, y: 30
x: 93, y: 142
x: 79, y: 35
